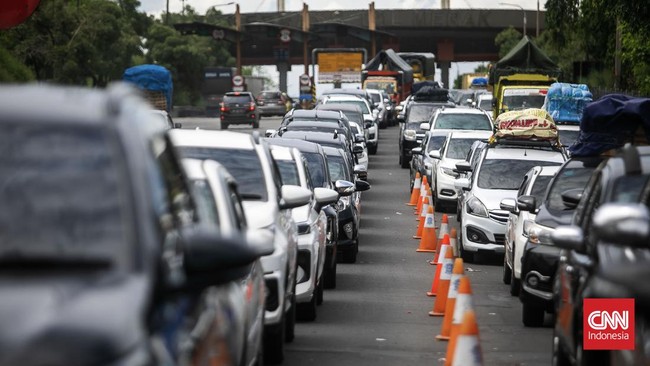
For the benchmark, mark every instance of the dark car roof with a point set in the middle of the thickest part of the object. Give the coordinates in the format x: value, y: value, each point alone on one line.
x: 314, y: 113
x: 302, y: 145
x: 339, y: 107
x: 326, y: 138
x: 313, y: 124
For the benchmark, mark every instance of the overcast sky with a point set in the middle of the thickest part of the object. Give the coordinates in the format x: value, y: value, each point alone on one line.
x: 251, y: 6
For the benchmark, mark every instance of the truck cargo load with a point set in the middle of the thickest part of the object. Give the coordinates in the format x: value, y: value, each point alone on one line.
x: 155, y: 82
x: 524, y: 58
x: 389, y: 68
x: 566, y: 102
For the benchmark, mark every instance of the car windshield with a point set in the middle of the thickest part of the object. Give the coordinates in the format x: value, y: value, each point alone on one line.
x: 317, y: 169
x: 420, y: 112
x: 506, y: 173
x: 568, y: 137
x: 244, y: 165
x: 516, y: 102
x: 64, y: 196
x: 539, y: 188
x: 458, y: 148
x: 435, y: 143
x: 463, y: 121
x: 376, y: 97
x: 205, y: 203
x: 236, y: 100
x: 338, y: 170
x: 566, y: 180
x: 360, y: 103
x: 289, y: 172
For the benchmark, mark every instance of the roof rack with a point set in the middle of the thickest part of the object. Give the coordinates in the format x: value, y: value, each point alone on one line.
x: 528, y: 143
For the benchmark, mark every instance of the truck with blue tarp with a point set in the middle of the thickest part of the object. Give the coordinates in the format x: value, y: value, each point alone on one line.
x: 566, y: 102
x: 155, y: 82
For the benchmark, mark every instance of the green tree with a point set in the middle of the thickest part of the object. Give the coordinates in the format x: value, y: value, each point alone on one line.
x: 507, y: 40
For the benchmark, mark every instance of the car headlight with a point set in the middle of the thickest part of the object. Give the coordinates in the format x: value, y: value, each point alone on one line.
x: 449, y: 171
x: 538, y: 234
x: 342, y: 204
x: 409, y: 135
x: 476, y: 207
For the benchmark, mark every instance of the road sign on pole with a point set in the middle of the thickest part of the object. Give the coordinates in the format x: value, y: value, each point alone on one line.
x: 305, y: 80
x: 238, y: 80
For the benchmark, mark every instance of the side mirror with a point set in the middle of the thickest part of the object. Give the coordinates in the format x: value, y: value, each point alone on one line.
x: 434, y: 154
x: 294, y: 196
x: 324, y: 197
x: 623, y: 224
x: 361, y: 185
x: 269, y: 133
x: 357, y: 149
x: 344, y: 187
x: 178, y: 125
x: 359, y: 138
x: 416, y: 151
x: 463, y: 167
x: 569, y: 237
x: 210, y: 259
x: 508, y: 204
x: 462, y: 183
x: 527, y: 203
x: 425, y: 126
x: 571, y: 198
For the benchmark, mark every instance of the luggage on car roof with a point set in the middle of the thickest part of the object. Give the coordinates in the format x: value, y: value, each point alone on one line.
x: 526, y: 124
x: 431, y: 94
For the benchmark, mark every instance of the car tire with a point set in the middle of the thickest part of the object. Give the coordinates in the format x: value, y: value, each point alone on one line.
x: 330, y: 277
x: 468, y: 257
x: 507, y: 272
x: 403, y: 162
x: 515, y: 284
x: 274, y: 344
x: 372, y: 150
x: 224, y: 126
x: 531, y: 315
x: 320, y: 290
x: 290, y: 323
x: 307, y: 311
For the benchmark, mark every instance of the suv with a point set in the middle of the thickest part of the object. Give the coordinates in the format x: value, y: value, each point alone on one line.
x: 99, y: 219
x: 368, y: 118
x: 586, y: 257
x: 273, y: 103
x: 421, y: 162
x: 461, y: 119
x: 497, y: 175
x: 239, y: 108
x: 267, y: 204
x: 411, y: 132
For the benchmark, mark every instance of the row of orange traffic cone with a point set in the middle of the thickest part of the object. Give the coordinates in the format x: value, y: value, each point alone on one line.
x: 450, y: 287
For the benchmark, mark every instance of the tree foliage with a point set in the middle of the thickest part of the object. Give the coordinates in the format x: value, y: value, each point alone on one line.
x: 507, y: 40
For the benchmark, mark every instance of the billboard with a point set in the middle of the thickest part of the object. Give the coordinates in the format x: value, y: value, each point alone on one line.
x: 343, y: 67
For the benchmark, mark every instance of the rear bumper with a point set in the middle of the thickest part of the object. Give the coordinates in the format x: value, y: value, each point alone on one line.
x: 239, y: 119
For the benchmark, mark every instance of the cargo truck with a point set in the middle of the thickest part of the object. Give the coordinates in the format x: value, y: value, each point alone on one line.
x: 391, y: 72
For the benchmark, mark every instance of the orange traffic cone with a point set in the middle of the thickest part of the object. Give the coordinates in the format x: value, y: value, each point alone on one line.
x: 415, y: 192
x: 428, y: 241
x: 456, y: 275
x: 437, y: 257
x: 468, y: 348
x: 436, y: 278
x: 453, y: 240
x: 463, y: 304
x: 425, y: 209
x: 443, y: 284
x: 422, y: 219
x: 444, y: 227
x: 423, y: 192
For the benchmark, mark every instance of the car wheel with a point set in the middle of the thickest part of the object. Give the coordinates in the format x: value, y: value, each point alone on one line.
x: 320, y: 289
x: 403, y: 162
x: 290, y: 331
x: 531, y: 315
x: 507, y: 272
x: 372, y: 150
x: 224, y: 126
x: 559, y: 357
x: 515, y: 284
x: 307, y: 311
x: 330, y: 277
x: 468, y: 257
x: 274, y: 343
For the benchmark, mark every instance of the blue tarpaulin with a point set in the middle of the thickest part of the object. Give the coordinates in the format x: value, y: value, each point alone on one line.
x: 610, y: 122
x: 151, y: 77
x: 566, y: 102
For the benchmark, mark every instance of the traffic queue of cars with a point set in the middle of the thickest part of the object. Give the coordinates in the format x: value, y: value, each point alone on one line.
x: 131, y: 241
x: 573, y: 224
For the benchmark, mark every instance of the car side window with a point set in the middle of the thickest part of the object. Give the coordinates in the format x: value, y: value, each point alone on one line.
x: 581, y: 209
x: 235, y: 201
x: 177, y: 189
x: 592, y: 205
x: 522, y: 187
x: 307, y: 174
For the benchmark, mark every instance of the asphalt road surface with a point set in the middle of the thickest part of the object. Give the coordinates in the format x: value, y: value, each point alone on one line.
x: 378, y: 314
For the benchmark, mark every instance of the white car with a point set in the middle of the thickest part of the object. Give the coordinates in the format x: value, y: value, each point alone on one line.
x: 267, y: 205
x: 312, y: 230
x: 534, y: 184
x: 454, y: 149
x: 460, y: 119
x: 362, y: 158
x: 498, y: 175
x: 368, y: 117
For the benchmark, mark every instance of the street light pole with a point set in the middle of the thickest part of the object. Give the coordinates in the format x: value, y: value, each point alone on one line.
x: 522, y: 10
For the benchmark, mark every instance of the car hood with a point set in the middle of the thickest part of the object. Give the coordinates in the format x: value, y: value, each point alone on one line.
x: 80, y: 319
x: 259, y: 214
x: 491, y: 198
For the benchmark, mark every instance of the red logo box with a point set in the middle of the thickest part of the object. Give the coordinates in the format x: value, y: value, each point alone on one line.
x: 608, y: 324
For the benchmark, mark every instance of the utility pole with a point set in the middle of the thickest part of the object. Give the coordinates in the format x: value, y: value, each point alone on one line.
x: 305, y: 37
x: 280, y: 6
x: 537, y: 21
x: 238, y: 46
x: 372, y: 26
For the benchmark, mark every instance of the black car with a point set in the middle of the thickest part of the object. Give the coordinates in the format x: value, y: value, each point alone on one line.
x: 410, y: 133
x: 102, y: 252
x: 540, y: 257
x: 421, y: 162
x: 621, y: 179
x: 239, y: 108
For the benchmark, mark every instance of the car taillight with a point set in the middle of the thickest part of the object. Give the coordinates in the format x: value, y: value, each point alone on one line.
x: 223, y: 108
x: 251, y: 107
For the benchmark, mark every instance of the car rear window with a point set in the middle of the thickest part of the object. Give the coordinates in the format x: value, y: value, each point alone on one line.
x: 459, y: 148
x: 269, y: 95
x: 360, y: 103
x: 289, y: 172
x: 64, y: 195
x: 243, y: 165
x: 506, y: 173
x: 567, y: 179
x: 420, y: 113
x: 354, y: 117
x: 242, y: 99
x: 317, y: 169
x: 539, y: 188
x: 338, y: 169
x: 458, y: 121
